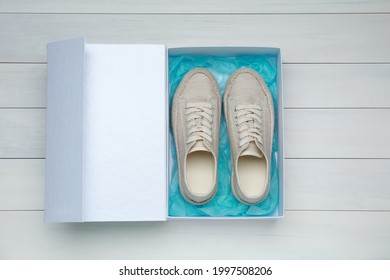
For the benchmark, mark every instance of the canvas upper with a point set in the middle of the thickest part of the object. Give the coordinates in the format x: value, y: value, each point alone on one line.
x: 195, y: 115
x: 249, y: 114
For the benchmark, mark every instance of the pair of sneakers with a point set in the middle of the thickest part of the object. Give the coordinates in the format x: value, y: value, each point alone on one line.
x: 249, y: 113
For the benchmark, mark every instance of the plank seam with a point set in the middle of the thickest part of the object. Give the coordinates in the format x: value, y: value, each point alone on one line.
x: 284, y: 63
x: 197, y: 14
x: 336, y: 108
x: 287, y: 210
x: 286, y: 108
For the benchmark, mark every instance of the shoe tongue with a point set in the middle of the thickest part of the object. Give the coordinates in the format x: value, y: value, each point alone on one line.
x: 252, y: 150
x: 198, y: 146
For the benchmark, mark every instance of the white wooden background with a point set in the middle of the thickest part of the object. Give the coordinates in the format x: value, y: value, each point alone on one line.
x: 337, y: 133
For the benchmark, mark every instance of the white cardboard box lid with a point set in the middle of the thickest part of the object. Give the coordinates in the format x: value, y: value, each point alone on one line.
x: 106, y: 132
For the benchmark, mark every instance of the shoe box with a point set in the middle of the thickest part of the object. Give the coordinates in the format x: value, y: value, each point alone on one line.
x: 108, y: 143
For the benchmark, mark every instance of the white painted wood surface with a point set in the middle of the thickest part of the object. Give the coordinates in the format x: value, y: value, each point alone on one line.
x: 22, y: 85
x: 337, y: 85
x: 22, y: 183
x: 338, y: 184
x: 337, y: 100
x: 302, y: 234
x: 22, y: 133
x: 199, y: 6
x: 341, y: 133
x: 310, y: 38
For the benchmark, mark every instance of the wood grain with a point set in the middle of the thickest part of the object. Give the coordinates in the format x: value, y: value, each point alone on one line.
x: 302, y: 38
x: 22, y: 183
x: 319, y: 235
x: 22, y: 85
x: 336, y: 85
x: 22, y: 133
x: 337, y: 133
x: 199, y: 6
x: 337, y: 184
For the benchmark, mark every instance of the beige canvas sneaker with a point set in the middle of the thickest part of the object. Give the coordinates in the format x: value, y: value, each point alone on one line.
x: 196, y: 113
x: 249, y: 114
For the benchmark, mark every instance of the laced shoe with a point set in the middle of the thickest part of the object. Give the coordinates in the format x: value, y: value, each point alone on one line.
x: 249, y: 114
x: 196, y: 113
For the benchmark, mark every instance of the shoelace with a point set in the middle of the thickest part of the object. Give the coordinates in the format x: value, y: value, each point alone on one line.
x: 249, y: 122
x: 199, y: 120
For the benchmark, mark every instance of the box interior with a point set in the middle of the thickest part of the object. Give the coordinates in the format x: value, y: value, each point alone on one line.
x: 222, y: 61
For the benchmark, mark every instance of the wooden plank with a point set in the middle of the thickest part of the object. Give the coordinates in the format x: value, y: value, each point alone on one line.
x: 22, y: 184
x: 22, y: 133
x: 341, y: 184
x: 336, y: 85
x: 302, y: 38
x: 309, y: 133
x: 22, y: 85
x: 337, y: 133
x: 200, y: 6
x: 307, y: 235
x: 305, y: 85
x: 310, y: 184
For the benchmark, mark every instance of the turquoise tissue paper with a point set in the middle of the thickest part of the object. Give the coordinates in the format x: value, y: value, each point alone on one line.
x: 224, y: 204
